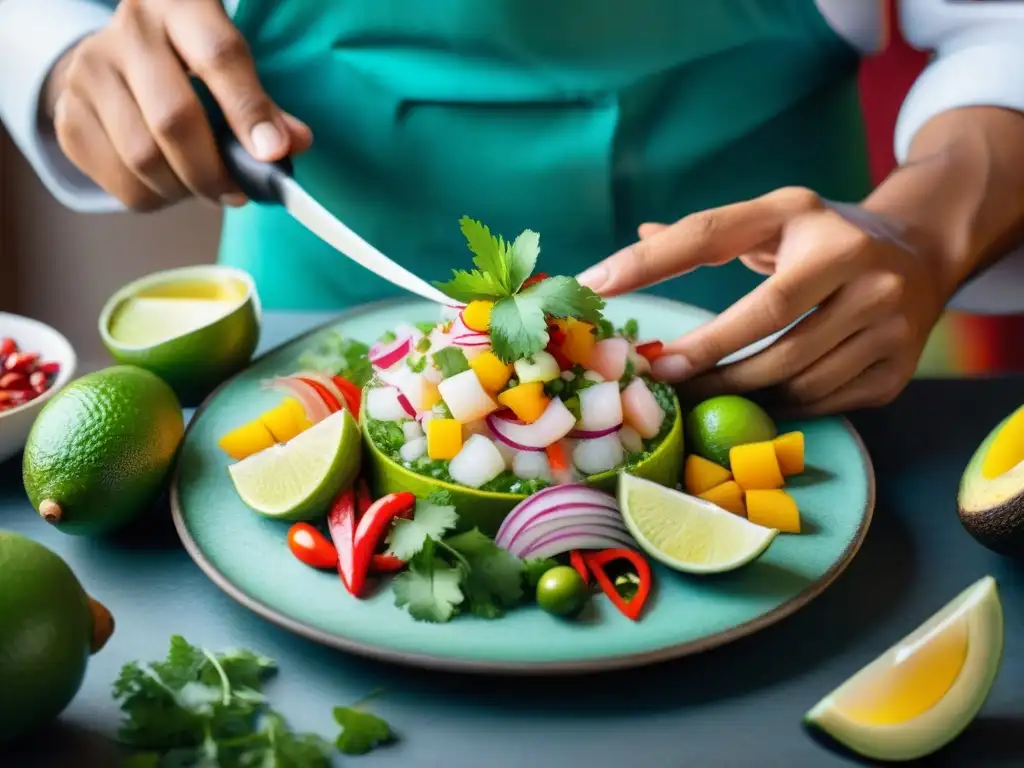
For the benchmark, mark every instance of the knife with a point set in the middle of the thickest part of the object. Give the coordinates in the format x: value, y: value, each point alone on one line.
x: 275, y: 184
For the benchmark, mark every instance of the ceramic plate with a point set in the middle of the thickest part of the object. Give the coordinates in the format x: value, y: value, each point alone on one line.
x: 247, y: 557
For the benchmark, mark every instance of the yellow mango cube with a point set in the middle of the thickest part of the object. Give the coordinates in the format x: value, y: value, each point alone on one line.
x: 527, y: 401
x: 286, y: 420
x: 444, y: 438
x: 755, y: 466
x: 431, y: 396
x: 773, y: 509
x: 728, y: 496
x: 493, y: 373
x: 579, y: 340
x: 246, y: 440
x: 477, y: 315
x: 789, y: 450
x: 700, y: 475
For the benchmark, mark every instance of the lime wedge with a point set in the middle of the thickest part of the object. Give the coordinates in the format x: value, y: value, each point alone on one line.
x: 686, y: 533
x: 142, y: 321
x: 297, y: 480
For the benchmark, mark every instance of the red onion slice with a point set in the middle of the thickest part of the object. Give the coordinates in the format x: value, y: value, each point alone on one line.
x: 577, y: 537
x: 584, y: 434
x: 472, y: 340
x: 543, y: 500
x: 312, y: 404
x: 555, y: 423
x: 406, y: 405
x: 564, y: 516
x: 386, y: 355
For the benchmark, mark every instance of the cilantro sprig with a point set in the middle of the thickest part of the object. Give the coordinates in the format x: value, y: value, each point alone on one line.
x: 519, y: 318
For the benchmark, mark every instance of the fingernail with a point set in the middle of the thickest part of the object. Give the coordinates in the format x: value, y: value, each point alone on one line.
x: 594, y: 278
x: 266, y: 140
x: 234, y: 200
x: 672, y: 367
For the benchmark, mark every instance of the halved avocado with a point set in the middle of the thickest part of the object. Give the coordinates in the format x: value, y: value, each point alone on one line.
x: 485, y: 510
x: 991, y: 497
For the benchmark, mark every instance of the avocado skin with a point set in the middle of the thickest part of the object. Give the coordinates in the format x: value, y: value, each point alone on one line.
x: 999, y: 528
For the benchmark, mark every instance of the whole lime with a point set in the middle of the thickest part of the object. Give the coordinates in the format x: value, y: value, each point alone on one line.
x: 561, y: 591
x: 100, y: 451
x: 719, y: 423
x: 48, y: 628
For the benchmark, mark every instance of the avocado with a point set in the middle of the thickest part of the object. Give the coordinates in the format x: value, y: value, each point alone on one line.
x: 49, y: 627
x: 991, y: 497
x: 101, y: 449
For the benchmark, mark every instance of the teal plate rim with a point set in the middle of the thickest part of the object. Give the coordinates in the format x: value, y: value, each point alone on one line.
x: 481, y: 666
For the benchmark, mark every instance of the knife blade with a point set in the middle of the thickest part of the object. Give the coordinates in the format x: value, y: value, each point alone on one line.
x: 275, y: 184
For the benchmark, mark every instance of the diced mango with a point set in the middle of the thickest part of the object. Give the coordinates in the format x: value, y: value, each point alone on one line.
x: 286, y: 420
x: 773, y: 509
x: 579, y: 340
x: 246, y: 440
x: 493, y: 373
x: 444, y: 439
x: 527, y: 401
x: 477, y: 315
x: 1007, y: 449
x: 700, y: 475
x: 727, y: 495
x: 431, y: 396
x: 789, y: 450
x: 755, y: 466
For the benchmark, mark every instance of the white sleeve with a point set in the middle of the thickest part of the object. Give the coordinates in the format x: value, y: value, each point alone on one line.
x: 34, y: 34
x: 978, y: 60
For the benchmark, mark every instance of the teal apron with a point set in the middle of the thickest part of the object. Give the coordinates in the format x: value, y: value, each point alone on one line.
x: 579, y: 119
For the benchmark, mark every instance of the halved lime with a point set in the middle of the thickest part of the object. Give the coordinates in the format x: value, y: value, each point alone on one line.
x: 297, y: 480
x: 686, y: 533
x: 193, y: 327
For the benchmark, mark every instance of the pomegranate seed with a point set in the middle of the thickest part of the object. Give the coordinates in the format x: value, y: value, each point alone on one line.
x: 50, y: 367
x: 14, y: 381
x: 8, y: 346
x: 22, y: 362
x: 39, y: 381
x: 16, y: 397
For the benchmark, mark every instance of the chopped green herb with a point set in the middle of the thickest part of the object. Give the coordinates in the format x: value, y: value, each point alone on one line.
x: 337, y: 355
x: 386, y: 435
x: 387, y: 337
x: 451, y: 361
x: 416, y: 364
x: 429, y: 588
x: 429, y: 522
x: 441, y: 410
x: 361, y: 731
x: 493, y: 578
x: 426, y: 328
x: 423, y: 344
x: 628, y: 374
x: 604, y: 330
x: 631, y: 330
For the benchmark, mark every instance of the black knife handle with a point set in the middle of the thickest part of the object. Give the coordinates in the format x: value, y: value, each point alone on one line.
x: 260, y: 181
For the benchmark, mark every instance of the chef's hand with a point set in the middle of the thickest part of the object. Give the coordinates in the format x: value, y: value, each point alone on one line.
x: 876, y: 303
x: 126, y: 114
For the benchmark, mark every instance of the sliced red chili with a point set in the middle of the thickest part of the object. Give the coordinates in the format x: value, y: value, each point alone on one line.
x: 325, y: 394
x: 564, y: 363
x: 556, y: 334
x: 375, y: 523
x: 650, y: 349
x: 381, y: 562
x: 596, y: 562
x: 540, y: 276
x: 311, y: 547
x: 385, y: 562
x: 341, y: 522
x: 353, y: 395
x: 577, y: 562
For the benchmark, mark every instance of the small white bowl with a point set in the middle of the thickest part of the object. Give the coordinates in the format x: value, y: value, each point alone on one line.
x: 32, y: 336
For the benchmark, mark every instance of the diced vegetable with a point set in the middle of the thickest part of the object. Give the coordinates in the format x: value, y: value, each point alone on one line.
x: 543, y: 367
x: 477, y: 315
x: 609, y: 358
x: 631, y: 440
x: 477, y: 463
x: 465, y: 397
x: 596, y: 563
x: 529, y: 465
x: 527, y: 401
x: 728, y: 496
x: 412, y: 430
x: 650, y: 350
x: 593, y: 376
x: 641, y: 365
x: 700, y: 475
x: 413, y: 449
x: 598, y: 454
x: 444, y: 439
x: 555, y: 423
x: 600, y: 408
x: 421, y: 393
x: 246, y: 440
x: 382, y: 404
x: 789, y: 450
x: 755, y: 466
x: 641, y: 410
x: 773, y: 508
x: 384, y: 356
x: 492, y: 372
x: 309, y: 398
x: 579, y: 340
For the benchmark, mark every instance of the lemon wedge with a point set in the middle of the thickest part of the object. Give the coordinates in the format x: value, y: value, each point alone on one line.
x: 687, y: 533
x: 922, y: 692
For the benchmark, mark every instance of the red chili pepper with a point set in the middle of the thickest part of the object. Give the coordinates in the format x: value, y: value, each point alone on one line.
x: 325, y: 394
x: 556, y: 334
x: 577, y: 562
x: 381, y: 562
x: 596, y: 561
x: 353, y: 395
x: 564, y: 363
x: 374, y: 525
x: 341, y: 522
x: 534, y: 279
x: 311, y: 547
x: 363, y: 497
x: 650, y: 349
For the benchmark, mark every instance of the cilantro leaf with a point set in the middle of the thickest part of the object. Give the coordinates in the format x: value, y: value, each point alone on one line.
x: 518, y: 327
x: 525, y: 251
x: 565, y: 297
x: 440, y: 498
x: 470, y: 286
x: 428, y: 588
x: 493, y: 581
x: 430, y: 521
x: 490, y: 254
x: 361, y: 731
x: 450, y: 361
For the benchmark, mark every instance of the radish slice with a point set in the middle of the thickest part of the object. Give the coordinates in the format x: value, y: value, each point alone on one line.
x: 609, y: 358
x: 542, y: 501
x: 529, y: 465
x: 314, y: 406
x: 555, y: 423
x: 382, y: 404
x: 477, y: 463
x: 413, y: 449
x: 640, y: 409
x: 577, y: 537
x: 465, y: 397
x: 631, y: 440
x: 386, y: 355
x: 406, y: 405
x: 598, y: 455
x: 600, y: 408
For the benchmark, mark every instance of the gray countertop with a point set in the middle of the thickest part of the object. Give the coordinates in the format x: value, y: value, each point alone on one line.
x: 733, y: 707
